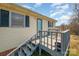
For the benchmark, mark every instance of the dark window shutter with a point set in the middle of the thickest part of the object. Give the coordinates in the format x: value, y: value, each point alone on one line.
x: 48, y: 24
x: 0, y: 17
x: 26, y: 21
x: 4, y: 18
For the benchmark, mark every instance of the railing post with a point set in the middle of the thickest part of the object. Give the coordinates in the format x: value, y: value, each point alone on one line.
x: 47, y: 38
x: 56, y: 40
x: 65, y: 38
x: 40, y: 33
x: 35, y: 38
x: 44, y: 38
x: 51, y: 41
x: 68, y: 43
x: 62, y: 36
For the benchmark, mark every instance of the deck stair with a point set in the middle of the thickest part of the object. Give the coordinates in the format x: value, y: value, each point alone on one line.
x: 25, y: 49
x: 55, y: 43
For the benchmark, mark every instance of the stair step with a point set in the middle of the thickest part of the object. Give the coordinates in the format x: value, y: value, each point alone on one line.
x: 26, y: 51
x: 20, y: 53
x: 31, y: 46
x: 15, y: 53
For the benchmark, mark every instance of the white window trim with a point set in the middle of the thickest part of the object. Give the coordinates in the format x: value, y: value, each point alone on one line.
x: 10, y: 20
x: 24, y: 21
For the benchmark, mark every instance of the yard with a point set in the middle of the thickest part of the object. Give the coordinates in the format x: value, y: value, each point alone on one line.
x: 74, y: 45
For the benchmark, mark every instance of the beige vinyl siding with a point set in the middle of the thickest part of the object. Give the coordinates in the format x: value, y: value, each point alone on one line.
x: 12, y: 37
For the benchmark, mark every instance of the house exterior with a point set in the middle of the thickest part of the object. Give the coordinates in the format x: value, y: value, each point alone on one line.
x: 18, y: 24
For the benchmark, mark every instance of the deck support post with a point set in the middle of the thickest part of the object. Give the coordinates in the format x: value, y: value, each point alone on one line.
x: 51, y: 41
x: 44, y: 38
x: 56, y: 41
x: 47, y: 38
x: 39, y: 50
x: 40, y: 42
x: 35, y: 38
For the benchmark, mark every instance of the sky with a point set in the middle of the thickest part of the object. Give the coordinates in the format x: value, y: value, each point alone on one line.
x: 58, y: 11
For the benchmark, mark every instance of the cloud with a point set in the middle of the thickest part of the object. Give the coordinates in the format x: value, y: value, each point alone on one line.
x: 65, y: 6
x: 69, y: 13
x: 55, y: 4
x: 63, y: 20
x: 52, y: 14
x: 59, y: 9
x: 37, y: 4
x: 64, y: 17
x: 60, y: 5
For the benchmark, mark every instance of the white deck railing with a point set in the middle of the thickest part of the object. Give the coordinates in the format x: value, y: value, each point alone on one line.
x: 65, y: 42
x: 53, y: 40
x: 59, y: 40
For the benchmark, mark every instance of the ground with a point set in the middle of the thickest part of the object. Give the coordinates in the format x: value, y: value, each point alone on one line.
x: 74, y: 45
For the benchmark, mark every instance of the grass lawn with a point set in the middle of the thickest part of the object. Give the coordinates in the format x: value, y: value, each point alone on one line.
x: 74, y: 45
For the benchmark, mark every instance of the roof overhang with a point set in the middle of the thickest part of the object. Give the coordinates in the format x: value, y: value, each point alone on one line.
x: 25, y: 11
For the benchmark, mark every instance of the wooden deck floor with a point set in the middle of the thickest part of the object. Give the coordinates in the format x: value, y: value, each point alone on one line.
x: 46, y: 42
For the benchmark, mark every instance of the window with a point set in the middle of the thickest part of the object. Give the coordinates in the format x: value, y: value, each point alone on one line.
x: 4, y: 18
x: 52, y: 24
x: 26, y: 21
x: 39, y: 24
x: 17, y: 20
x: 49, y: 24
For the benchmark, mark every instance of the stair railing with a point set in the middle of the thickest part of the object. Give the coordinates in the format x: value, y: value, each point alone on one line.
x: 25, y: 42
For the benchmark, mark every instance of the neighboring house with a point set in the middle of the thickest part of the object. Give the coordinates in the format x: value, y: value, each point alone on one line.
x: 18, y: 24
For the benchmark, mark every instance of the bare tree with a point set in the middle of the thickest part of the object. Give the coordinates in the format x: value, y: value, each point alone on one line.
x: 74, y: 25
x: 75, y: 17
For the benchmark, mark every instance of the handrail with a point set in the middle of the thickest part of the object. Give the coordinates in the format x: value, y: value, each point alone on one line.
x: 22, y: 44
x: 52, y: 31
x: 65, y: 31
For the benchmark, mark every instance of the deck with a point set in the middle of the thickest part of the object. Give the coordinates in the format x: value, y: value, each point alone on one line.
x: 56, y: 43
